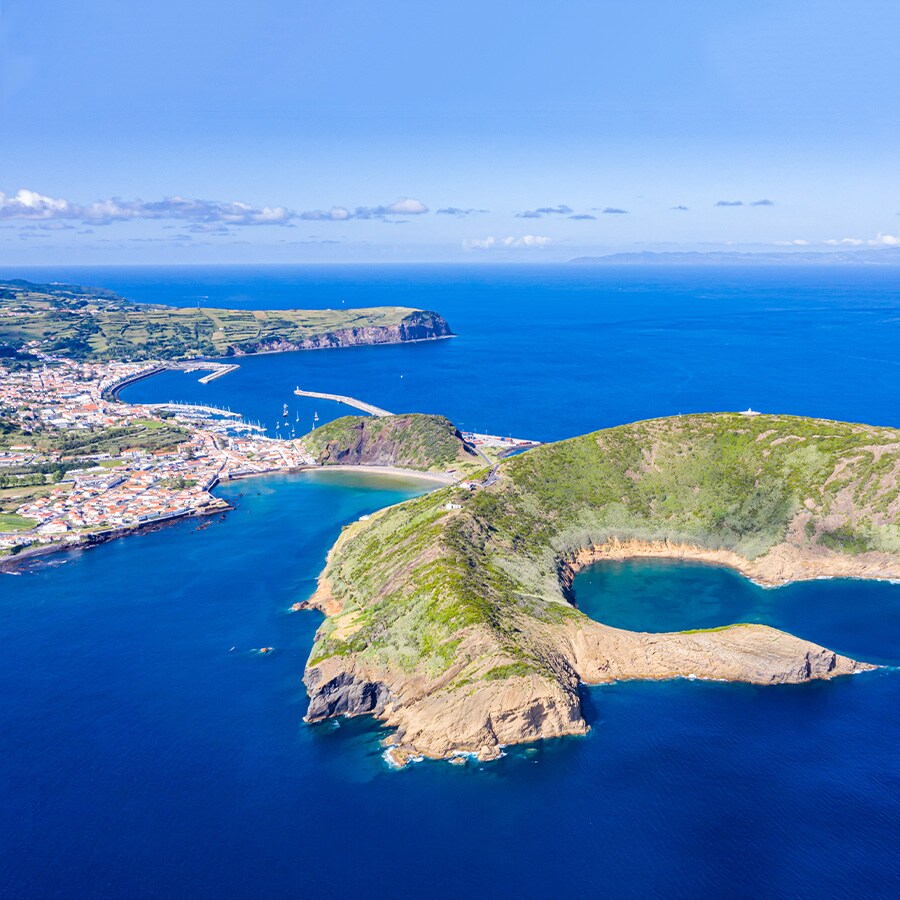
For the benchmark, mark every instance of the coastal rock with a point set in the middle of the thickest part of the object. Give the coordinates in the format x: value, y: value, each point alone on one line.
x: 343, y: 695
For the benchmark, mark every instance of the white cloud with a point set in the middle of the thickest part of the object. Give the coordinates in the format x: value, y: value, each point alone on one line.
x: 880, y: 240
x: 480, y: 243
x: 408, y: 207
x: 491, y: 242
x: 30, y: 205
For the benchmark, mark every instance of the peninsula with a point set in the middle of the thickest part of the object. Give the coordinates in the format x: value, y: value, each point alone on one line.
x: 451, y: 617
x: 94, y: 324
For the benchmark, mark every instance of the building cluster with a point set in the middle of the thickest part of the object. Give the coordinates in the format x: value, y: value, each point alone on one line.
x: 128, y: 489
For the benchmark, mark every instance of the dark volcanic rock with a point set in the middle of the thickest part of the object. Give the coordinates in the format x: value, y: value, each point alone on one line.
x: 345, y: 696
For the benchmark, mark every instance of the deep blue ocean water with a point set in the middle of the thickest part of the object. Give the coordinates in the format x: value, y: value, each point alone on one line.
x: 141, y: 756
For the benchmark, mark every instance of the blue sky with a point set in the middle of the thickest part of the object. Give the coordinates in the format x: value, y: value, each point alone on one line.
x: 328, y: 131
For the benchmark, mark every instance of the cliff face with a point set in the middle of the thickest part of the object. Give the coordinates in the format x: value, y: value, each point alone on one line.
x: 412, y: 441
x: 451, y: 622
x: 419, y: 325
x: 89, y: 323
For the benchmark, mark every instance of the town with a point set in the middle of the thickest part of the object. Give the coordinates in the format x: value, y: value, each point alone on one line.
x: 77, y: 465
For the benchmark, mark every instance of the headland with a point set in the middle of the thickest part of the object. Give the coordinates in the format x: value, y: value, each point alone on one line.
x: 451, y: 617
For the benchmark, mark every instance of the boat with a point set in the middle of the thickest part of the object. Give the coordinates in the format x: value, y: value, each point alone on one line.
x: 285, y: 413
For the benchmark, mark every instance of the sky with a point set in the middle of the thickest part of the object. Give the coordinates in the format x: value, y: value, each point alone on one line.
x: 313, y: 131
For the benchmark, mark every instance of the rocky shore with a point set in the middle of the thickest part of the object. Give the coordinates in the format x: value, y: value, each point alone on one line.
x: 782, y: 565
x: 431, y: 718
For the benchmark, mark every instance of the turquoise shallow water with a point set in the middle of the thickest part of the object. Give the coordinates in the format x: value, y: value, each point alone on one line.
x: 857, y: 618
x: 141, y: 757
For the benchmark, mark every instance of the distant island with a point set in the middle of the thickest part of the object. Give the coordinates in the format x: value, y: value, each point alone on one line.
x: 451, y: 617
x: 887, y: 256
x: 82, y: 323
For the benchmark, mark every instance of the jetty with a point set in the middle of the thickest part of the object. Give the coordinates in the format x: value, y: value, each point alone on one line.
x: 218, y: 372
x: 347, y: 401
x: 214, y: 369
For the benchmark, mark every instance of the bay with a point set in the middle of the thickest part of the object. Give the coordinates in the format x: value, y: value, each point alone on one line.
x: 140, y: 756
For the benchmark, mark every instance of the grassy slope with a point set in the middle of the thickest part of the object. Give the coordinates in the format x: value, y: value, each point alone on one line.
x: 98, y: 325
x: 10, y: 522
x: 416, y: 576
x: 414, y: 440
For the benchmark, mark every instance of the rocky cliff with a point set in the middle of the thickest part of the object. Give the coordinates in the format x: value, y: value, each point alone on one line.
x: 419, y: 325
x: 451, y: 618
x: 411, y: 441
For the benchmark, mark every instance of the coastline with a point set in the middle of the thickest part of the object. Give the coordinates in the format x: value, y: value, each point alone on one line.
x: 427, y: 718
x: 425, y: 340
x: 783, y: 564
x: 96, y: 539
x: 398, y: 471
x: 218, y: 505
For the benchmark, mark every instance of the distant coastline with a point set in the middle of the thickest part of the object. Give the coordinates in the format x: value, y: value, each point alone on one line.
x: 883, y: 257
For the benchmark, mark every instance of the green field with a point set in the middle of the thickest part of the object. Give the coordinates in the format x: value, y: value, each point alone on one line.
x: 12, y: 522
x: 85, y: 323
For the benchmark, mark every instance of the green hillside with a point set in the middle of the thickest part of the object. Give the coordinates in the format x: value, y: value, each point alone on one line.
x: 89, y: 323
x: 418, y: 577
x: 412, y: 441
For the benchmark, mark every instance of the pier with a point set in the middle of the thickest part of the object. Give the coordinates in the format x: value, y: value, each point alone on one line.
x: 215, y: 369
x: 218, y: 372
x: 347, y: 401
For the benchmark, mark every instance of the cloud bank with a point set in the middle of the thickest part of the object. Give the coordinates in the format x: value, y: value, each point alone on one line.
x: 541, y: 211
x: 32, y: 206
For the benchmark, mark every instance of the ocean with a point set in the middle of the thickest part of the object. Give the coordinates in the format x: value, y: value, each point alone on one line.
x: 147, y: 751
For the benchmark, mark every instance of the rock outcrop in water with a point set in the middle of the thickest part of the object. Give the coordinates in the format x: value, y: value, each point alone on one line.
x: 450, y: 617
